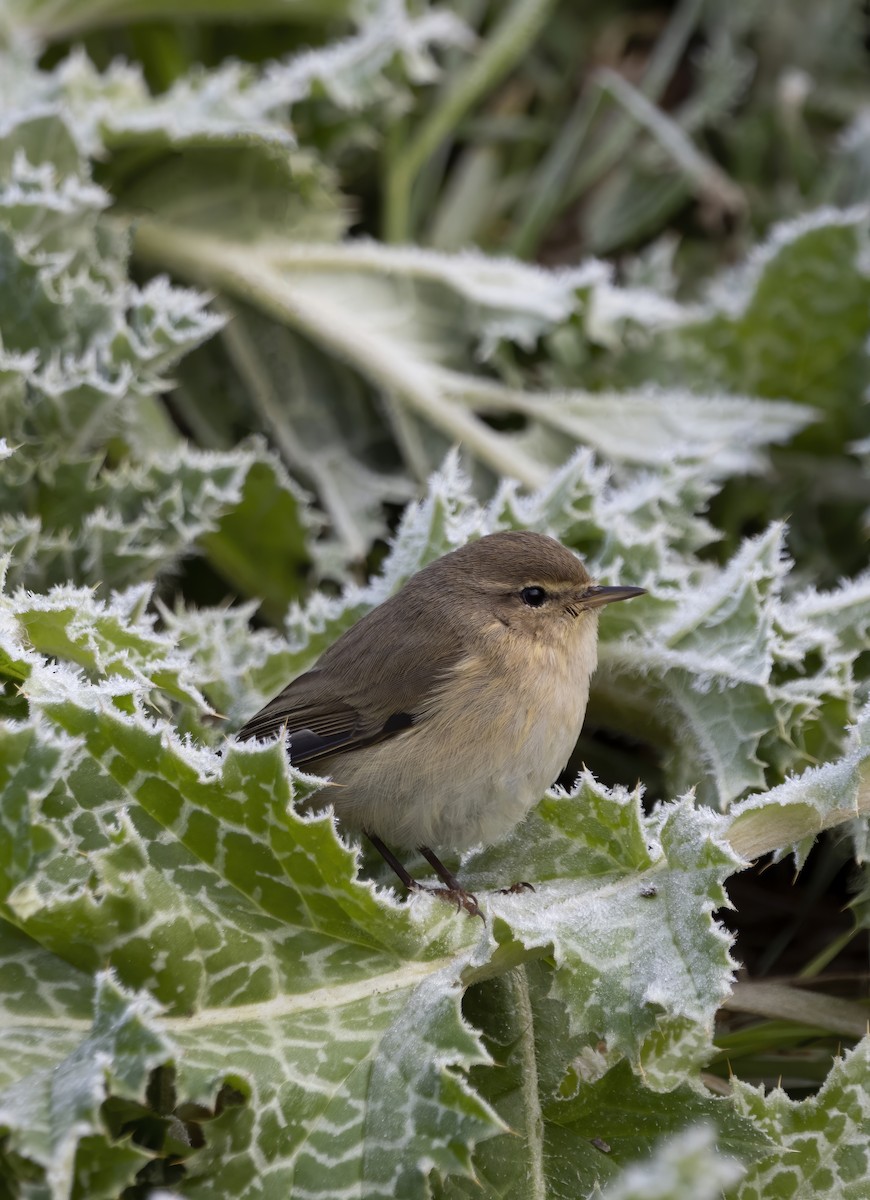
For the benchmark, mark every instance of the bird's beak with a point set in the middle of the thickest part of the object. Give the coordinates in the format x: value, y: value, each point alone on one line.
x: 596, y: 597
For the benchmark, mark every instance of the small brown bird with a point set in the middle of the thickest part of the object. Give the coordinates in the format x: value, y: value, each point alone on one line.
x: 446, y: 712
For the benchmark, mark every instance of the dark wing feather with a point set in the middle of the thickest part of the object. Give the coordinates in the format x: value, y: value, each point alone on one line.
x: 375, y: 680
x: 318, y: 722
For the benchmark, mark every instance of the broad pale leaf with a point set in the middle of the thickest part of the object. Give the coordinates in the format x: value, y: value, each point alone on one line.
x: 792, y: 323
x: 403, y: 317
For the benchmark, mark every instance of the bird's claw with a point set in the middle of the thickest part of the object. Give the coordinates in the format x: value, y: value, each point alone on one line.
x: 516, y: 888
x: 457, y: 896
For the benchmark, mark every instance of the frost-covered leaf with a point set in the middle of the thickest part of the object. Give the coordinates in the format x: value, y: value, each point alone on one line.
x: 283, y: 976
x: 233, y: 102
x: 118, y: 526
x: 84, y: 355
x: 626, y: 904
x: 789, y: 817
x: 111, y: 640
x: 52, y: 1118
x: 713, y: 655
x: 84, y: 350
x: 239, y: 208
x: 191, y: 875
x: 326, y: 1007
x: 822, y: 1142
x: 353, y: 72
x: 101, y: 488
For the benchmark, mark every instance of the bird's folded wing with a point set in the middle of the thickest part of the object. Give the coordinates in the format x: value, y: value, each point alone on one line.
x: 317, y: 721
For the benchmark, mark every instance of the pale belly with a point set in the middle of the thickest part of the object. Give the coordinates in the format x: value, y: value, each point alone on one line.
x: 477, y: 762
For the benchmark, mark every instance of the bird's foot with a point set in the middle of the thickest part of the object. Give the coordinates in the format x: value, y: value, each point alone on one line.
x: 457, y: 896
x: 516, y: 888
x: 453, y: 893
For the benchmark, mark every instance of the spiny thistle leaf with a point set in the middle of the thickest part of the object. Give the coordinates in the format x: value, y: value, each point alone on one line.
x: 821, y: 1142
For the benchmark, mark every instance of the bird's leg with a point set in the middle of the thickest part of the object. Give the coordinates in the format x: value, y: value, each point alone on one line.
x: 390, y: 859
x: 454, y: 889
x: 453, y: 892
x: 440, y: 870
x: 454, y: 886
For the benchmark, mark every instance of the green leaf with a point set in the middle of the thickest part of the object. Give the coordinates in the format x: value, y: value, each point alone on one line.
x: 688, y: 1166
x: 821, y: 1141
x: 575, y: 1124
x: 53, y: 1116
x: 115, y: 641
x: 261, y: 543
x: 790, y: 324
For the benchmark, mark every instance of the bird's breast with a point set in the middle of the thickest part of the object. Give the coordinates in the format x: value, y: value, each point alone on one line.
x: 529, y: 708
x: 487, y: 744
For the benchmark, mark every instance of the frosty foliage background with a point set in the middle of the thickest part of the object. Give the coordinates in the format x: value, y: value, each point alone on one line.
x: 290, y: 308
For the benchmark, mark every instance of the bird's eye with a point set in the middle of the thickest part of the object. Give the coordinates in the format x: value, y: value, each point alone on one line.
x: 533, y: 596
